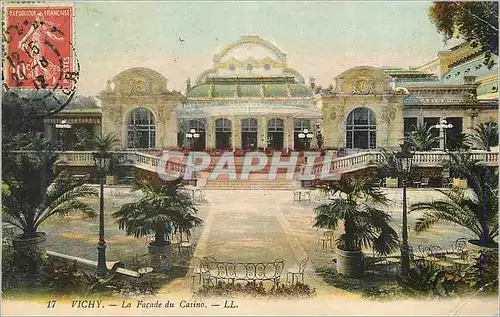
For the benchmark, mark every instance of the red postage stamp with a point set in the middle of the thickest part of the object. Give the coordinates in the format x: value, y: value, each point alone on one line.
x: 39, y: 50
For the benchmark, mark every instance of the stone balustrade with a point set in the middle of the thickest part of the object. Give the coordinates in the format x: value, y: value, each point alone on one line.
x: 362, y: 160
x: 340, y: 164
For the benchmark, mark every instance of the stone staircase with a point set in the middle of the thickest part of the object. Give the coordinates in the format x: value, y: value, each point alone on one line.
x: 251, y: 184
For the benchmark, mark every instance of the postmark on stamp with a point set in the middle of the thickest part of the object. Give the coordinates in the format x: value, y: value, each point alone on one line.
x: 39, y: 53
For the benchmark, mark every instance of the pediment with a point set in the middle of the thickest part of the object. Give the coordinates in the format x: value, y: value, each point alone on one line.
x: 363, y: 80
x: 137, y: 81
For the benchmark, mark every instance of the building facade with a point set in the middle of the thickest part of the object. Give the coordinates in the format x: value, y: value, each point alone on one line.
x: 252, y: 99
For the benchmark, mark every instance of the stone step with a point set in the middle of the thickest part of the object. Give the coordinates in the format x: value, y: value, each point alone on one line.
x: 250, y: 184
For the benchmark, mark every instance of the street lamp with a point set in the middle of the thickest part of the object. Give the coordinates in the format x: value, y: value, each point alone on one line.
x: 61, y: 128
x: 306, y: 137
x: 192, y: 137
x: 445, y: 126
x: 404, y: 160
x: 102, y: 160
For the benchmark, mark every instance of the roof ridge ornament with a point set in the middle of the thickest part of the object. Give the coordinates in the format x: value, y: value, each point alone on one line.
x: 255, y: 39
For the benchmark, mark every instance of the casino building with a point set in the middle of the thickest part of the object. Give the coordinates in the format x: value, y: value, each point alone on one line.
x: 251, y: 98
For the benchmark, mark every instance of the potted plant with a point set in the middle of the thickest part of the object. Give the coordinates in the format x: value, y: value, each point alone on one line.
x: 364, y: 225
x: 38, y: 191
x: 161, y: 211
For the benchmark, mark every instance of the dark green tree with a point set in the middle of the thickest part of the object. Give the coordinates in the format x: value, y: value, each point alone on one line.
x: 474, y: 21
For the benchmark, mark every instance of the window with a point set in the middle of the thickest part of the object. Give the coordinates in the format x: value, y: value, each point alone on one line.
x: 141, y: 129
x: 361, y: 132
x: 249, y: 128
x: 429, y: 122
x: 298, y: 127
x: 275, y: 132
x: 410, y: 125
x: 454, y: 135
x: 223, y: 134
x: 193, y: 143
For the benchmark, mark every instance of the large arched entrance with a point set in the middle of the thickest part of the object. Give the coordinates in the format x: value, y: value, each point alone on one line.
x: 141, y: 132
x: 275, y: 132
x: 361, y: 129
x: 249, y: 130
x: 223, y: 138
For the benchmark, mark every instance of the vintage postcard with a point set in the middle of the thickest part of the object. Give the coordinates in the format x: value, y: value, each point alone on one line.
x: 304, y: 158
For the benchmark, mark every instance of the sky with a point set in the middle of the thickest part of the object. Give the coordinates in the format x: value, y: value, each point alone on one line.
x: 321, y: 39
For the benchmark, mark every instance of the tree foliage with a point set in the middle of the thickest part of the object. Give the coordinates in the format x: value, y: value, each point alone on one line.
x: 35, y: 190
x: 477, y: 212
x: 364, y: 224
x: 162, y: 211
x: 474, y: 21
x: 485, y: 135
x: 422, y: 138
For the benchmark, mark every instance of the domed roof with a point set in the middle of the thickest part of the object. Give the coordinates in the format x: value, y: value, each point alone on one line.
x: 249, y: 57
x: 250, y: 88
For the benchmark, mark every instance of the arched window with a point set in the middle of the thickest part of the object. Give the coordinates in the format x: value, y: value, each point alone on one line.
x: 249, y: 128
x: 361, y: 129
x: 275, y: 132
x: 299, y: 125
x: 223, y: 138
x: 141, y: 129
x: 196, y: 141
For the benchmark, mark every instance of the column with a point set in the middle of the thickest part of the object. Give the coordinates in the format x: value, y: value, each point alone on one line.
x: 288, y: 133
x: 235, y: 132
x: 210, y: 131
x: 262, y: 132
x: 314, y: 131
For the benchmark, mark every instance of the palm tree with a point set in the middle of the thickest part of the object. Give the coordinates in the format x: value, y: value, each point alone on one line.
x: 485, y: 135
x: 103, y: 147
x: 387, y: 165
x: 422, y: 138
x: 462, y: 141
x: 162, y: 210
x: 36, y: 190
x: 364, y: 224
x: 477, y: 212
x: 105, y: 143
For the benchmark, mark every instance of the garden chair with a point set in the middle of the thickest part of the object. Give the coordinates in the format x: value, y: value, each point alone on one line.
x: 198, y: 269
x: 327, y: 239
x: 421, y: 254
x: 424, y: 182
x: 457, y: 248
x: 297, y: 272
x: 184, y: 244
x: 377, y: 182
x: 446, y: 183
